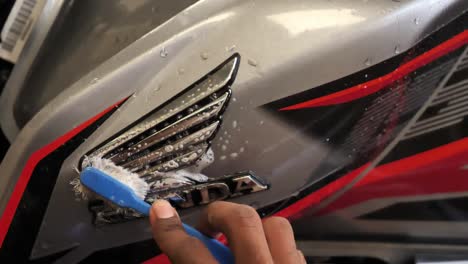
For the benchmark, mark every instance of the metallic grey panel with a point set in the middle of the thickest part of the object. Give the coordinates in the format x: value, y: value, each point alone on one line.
x: 285, y: 48
x: 85, y: 34
x: 22, y: 68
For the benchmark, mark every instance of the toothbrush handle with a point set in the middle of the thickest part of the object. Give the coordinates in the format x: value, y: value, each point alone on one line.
x: 222, y: 253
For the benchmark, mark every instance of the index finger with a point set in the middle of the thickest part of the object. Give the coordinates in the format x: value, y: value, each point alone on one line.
x: 243, y: 228
x: 172, y: 239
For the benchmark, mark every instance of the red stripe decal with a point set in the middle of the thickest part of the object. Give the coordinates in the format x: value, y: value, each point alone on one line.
x: 159, y: 259
x: 34, y: 159
x: 383, y: 82
x: 440, y: 170
x: 421, y: 174
x: 294, y: 210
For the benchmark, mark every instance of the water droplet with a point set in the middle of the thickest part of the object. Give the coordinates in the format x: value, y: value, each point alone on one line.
x: 416, y: 20
x: 222, y: 157
x: 173, y: 164
x: 261, y: 122
x: 134, y: 95
x: 252, y: 62
x: 231, y: 49
x: 93, y: 81
x: 163, y: 53
x: 169, y: 148
x: 327, y: 139
x: 223, y: 147
x: 241, y: 149
x: 204, y: 55
x: 234, y: 99
x: 234, y: 124
x: 226, y: 141
x: 397, y: 49
x: 181, y: 71
x: 368, y: 62
x: 234, y: 155
x: 366, y: 76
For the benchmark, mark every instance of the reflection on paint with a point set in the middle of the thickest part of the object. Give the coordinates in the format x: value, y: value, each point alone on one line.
x: 297, y: 22
x: 218, y: 18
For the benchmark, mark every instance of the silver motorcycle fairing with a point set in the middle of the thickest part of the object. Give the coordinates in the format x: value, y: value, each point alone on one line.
x: 283, y: 51
x: 88, y: 33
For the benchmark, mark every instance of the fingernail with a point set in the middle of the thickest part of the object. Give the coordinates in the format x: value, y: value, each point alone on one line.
x: 162, y: 209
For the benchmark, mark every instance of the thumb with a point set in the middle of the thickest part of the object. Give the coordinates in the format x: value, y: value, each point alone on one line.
x: 172, y: 239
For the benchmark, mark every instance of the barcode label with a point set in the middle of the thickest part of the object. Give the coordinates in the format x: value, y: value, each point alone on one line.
x: 18, y: 27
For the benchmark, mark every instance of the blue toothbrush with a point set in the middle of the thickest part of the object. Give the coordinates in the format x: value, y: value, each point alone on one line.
x: 123, y: 195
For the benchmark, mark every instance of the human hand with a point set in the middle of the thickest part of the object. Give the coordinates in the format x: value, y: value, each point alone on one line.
x: 250, y: 239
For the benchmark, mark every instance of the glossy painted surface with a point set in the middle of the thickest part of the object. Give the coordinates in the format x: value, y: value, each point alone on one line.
x: 286, y: 48
x: 84, y: 35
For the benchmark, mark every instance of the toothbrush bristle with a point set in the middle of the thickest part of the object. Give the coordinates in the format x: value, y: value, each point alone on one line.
x: 132, y: 180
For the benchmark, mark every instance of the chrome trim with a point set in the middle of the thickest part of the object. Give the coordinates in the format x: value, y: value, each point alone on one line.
x: 178, y: 162
x: 238, y: 184
x: 201, y: 115
x: 202, y: 90
x: 178, y: 146
x: 248, y: 182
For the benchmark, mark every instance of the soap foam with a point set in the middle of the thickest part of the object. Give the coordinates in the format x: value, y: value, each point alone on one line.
x: 186, y: 176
